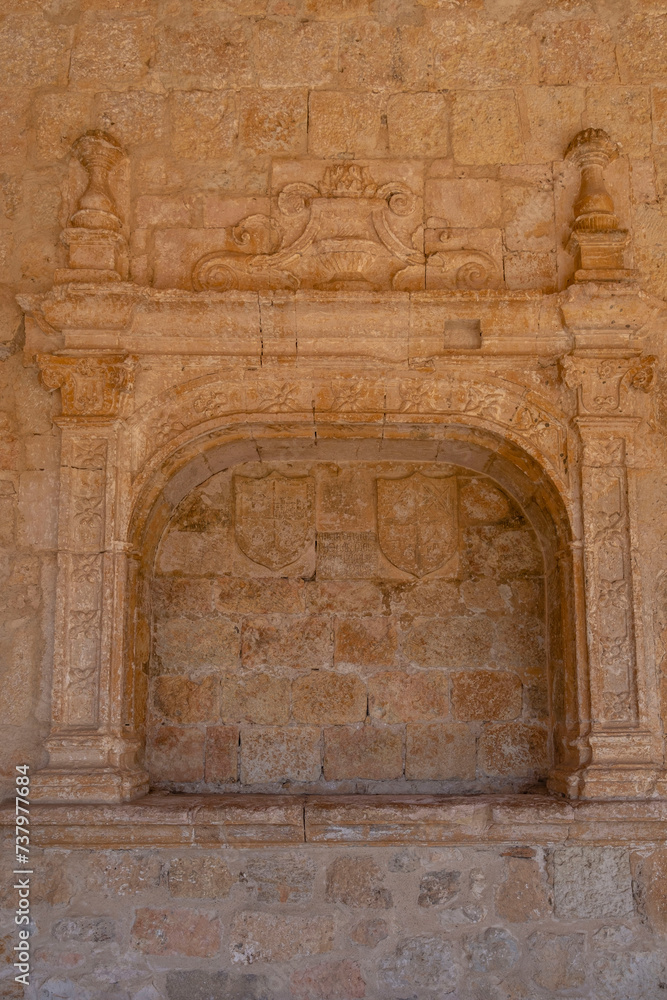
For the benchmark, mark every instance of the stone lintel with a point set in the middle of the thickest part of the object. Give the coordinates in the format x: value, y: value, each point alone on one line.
x: 159, y: 820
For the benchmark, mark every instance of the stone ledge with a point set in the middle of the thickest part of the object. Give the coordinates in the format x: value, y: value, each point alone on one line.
x: 163, y: 820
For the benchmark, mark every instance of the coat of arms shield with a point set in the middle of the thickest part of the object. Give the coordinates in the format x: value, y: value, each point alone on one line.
x: 274, y: 518
x: 417, y: 522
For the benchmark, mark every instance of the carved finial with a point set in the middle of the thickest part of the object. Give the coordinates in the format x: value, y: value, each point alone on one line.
x: 595, y: 236
x: 99, y: 153
x: 97, y: 248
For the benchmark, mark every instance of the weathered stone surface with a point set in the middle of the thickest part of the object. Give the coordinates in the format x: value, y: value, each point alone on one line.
x: 199, y: 877
x: 486, y: 694
x: 280, y: 878
x: 649, y: 879
x: 558, y: 959
x: 592, y: 882
x: 494, y: 950
x: 322, y: 696
x: 177, y: 754
x: 221, y: 754
x: 197, y: 985
x: 486, y: 128
x: 271, y: 937
x: 342, y: 124
x: 398, y: 697
x: 513, y: 748
x: 363, y: 751
x: 280, y: 754
x: 299, y: 643
x: 440, y: 751
x: 523, y: 895
x: 438, y: 887
x: 370, y: 932
x: 205, y: 124
x: 258, y: 698
x: 329, y: 981
x: 211, y: 643
x: 176, y: 932
x: 357, y: 882
x: 420, y: 963
x: 367, y: 642
x: 182, y: 700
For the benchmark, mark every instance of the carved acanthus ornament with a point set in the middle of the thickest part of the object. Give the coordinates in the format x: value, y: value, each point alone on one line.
x: 91, y: 386
x: 346, y: 233
x: 596, y: 239
x: 97, y: 248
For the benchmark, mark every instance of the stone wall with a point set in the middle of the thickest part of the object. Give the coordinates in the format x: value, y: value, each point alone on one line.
x: 217, y: 107
x: 330, y: 923
x: 363, y: 625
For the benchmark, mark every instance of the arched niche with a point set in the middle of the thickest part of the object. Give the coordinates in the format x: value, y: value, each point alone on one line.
x: 434, y: 452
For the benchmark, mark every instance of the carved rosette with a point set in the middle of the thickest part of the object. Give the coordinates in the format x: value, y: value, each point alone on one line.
x: 91, y: 385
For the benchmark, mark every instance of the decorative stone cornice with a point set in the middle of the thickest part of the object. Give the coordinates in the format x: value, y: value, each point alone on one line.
x: 91, y: 386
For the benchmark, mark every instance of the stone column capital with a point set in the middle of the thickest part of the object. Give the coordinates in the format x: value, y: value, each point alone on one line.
x: 92, y: 386
x: 604, y: 381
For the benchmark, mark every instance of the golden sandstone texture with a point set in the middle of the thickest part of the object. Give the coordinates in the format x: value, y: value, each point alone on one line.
x: 332, y: 493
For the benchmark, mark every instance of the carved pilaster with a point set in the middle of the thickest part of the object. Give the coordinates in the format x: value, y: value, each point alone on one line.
x: 624, y: 741
x: 596, y: 240
x: 97, y: 250
x: 91, y: 758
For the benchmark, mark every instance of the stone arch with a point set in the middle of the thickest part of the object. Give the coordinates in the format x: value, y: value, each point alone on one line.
x: 195, y: 453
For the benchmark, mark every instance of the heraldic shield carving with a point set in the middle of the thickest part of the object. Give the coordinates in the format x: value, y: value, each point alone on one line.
x: 417, y: 522
x: 274, y: 518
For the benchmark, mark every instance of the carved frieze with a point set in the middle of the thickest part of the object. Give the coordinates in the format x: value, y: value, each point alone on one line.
x: 91, y: 385
x: 417, y: 529
x: 274, y: 518
x: 337, y: 235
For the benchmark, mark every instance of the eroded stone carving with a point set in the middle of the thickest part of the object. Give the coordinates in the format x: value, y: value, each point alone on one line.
x: 602, y: 382
x: 596, y: 238
x: 417, y: 522
x: 91, y: 386
x: 97, y: 249
x: 274, y: 518
x: 340, y: 234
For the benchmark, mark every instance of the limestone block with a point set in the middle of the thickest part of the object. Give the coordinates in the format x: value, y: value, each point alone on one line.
x: 272, y: 937
x: 279, y: 878
x: 650, y: 886
x: 345, y: 501
x: 624, y: 112
x: 592, y: 882
x: 324, y: 696
x: 420, y: 963
x: 501, y: 552
x: 338, y: 10
x: 659, y: 115
x: 394, y: 696
x: 485, y: 128
x: 221, y: 754
x: 328, y: 981
x: 576, y: 51
x: 523, y: 896
x: 204, y: 645
x: 469, y: 54
x: 121, y: 873
x: 266, y: 596
x: 554, y: 115
x: 13, y: 124
x: 37, y: 514
x: 182, y: 700
x: 357, y: 881
x: 454, y: 642
x: 531, y: 270
x: 190, y: 597
x: 197, y: 876
x: 341, y: 123
x: 367, y: 752
x: 493, y: 950
x: 641, y: 46
x: 513, y: 748
x: 176, y: 932
x: 438, y: 888
x: 121, y: 59
x: 359, y: 596
x: 59, y: 120
x: 440, y: 751
x: 198, y: 985
x: 157, y: 210
x: 418, y: 124
x: 280, y: 754
x: 204, y: 125
x: 273, y: 121
x: 301, y: 55
x: 300, y: 643
x: 482, y: 502
x: 34, y: 52
x: 464, y: 203
x: 176, y: 754
x: 209, y: 52
x: 133, y: 118
x: 367, y: 55
x: 258, y: 698
x: 485, y: 595
x: 558, y: 959
x: 486, y: 694
x: 97, y: 929
x: 366, y: 642
x: 528, y: 214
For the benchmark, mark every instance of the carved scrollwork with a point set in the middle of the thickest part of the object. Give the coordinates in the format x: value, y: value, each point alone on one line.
x: 602, y: 383
x: 91, y: 386
x: 355, y: 234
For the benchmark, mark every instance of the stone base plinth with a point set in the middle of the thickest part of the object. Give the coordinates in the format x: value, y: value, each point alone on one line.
x: 93, y: 784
